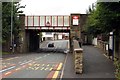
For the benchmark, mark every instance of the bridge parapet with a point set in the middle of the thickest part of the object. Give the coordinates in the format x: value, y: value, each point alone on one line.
x: 47, y: 22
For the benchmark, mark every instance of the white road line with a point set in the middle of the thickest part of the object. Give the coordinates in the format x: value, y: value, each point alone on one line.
x: 61, y: 76
x: 7, y: 69
x: 25, y: 62
x: 38, y: 58
x: 45, y: 55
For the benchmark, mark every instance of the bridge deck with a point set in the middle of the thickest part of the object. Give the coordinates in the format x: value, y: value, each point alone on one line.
x: 47, y: 22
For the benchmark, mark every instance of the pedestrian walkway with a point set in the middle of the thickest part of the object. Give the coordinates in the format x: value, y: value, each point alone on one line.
x: 95, y: 65
x: 44, y: 44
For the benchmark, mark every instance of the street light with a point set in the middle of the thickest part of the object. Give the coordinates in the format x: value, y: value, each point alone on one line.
x: 12, y: 47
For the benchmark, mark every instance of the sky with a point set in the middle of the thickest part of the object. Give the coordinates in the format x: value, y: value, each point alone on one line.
x: 55, y: 7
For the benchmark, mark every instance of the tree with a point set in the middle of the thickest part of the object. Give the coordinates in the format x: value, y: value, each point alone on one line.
x: 104, y: 18
x: 6, y: 21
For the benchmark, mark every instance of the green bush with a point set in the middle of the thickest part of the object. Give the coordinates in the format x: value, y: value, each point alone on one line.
x: 117, y: 73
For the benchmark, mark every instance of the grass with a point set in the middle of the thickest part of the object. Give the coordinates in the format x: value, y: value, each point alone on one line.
x: 5, y: 53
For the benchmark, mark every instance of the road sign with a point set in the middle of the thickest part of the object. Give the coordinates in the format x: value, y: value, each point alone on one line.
x: 75, y: 20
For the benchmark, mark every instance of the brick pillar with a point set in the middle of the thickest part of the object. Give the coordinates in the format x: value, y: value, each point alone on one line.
x: 74, y: 29
x: 23, y: 35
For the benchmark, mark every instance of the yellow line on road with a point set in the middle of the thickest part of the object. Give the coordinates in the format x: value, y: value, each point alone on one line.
x: 60, y: 66
x: 55, y: 75
x: 51, y: 69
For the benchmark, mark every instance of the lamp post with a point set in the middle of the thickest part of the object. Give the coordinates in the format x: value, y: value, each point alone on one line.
x: 12, y: 47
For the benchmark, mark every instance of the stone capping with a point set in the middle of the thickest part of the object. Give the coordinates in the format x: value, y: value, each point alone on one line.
x: 78, y: 50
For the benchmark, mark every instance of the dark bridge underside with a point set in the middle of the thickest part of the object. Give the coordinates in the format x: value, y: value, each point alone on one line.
x: 34, y: 39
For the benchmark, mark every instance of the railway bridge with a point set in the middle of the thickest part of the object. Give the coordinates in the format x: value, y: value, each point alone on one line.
x: 31, y: 25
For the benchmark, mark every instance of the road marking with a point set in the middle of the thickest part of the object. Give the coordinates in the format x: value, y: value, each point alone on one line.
x: 38, y: 58
x: 36, y: 68
x: 38, y: 64
x: 8, y: 73
x: 17, y: 69
x: 6, y: 66
x: 60, y: 66
x: 34, y: 64
x: 25, y: 62
x: 42, y: 68
x: 32, y: 68
x: 43, y: 64
x: 44, y: 55
x: 55, y: 74
x: 29, y: 67
x: 45, y: 68
x: 51, y: 69
x: 11, y: 58
x: 48, y: 65
x: 7, y: 69
x: 62, y: 72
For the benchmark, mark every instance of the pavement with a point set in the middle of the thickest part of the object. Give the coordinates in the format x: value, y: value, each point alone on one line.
x: 95, y: 65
